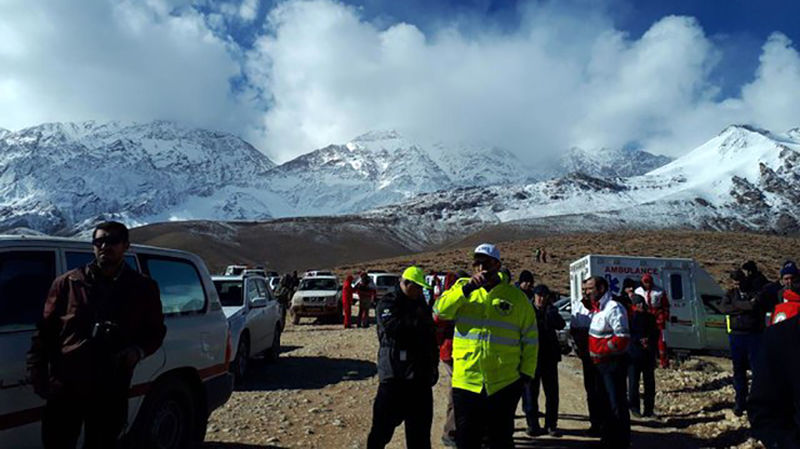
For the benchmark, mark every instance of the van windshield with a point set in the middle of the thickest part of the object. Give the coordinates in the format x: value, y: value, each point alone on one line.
x: 318, y: 284
x: 230, y: 293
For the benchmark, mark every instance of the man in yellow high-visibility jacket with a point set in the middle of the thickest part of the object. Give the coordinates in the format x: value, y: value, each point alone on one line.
x: 494, y: 347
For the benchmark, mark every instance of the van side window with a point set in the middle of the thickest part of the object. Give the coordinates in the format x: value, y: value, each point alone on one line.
x: 25, y: 279
x: 77, y: 259
x: 179, y: 283
x: 676, y: 286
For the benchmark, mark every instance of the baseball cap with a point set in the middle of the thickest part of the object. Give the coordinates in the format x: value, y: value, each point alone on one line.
x: 489, y: 250
x: 417, y: 276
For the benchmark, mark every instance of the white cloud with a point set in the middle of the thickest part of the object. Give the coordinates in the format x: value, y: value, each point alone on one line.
x: 319, y: 73
x: 560, y: 80
x: 125, y: 60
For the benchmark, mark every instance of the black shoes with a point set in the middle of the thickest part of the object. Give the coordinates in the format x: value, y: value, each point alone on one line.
x: 594, y: 432
x: 738, y: 411
x: 448, y: 441
x: 538, y: 431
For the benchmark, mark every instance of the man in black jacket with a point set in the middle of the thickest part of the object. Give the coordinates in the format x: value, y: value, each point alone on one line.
x: 408, y: 360
x: 746, y: 310
x: 643, y: 352
x: 549, y: 321
x: 773, y: 407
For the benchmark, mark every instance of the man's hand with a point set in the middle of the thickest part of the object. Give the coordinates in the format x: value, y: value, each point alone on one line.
x: 129, y: 357
x: 476, y: 281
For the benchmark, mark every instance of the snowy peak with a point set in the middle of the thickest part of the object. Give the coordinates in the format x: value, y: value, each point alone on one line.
x: 606, y: 162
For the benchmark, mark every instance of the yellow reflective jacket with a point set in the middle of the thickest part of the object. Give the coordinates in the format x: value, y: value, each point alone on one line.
x: 496, y: 338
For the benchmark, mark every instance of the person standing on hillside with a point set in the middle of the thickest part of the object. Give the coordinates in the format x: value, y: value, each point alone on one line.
x: 366, y: 295
x: 544, y: 255
x: 347, y: 300
x: 657, y: 304
x: 538, y: 254
x: 549, y: 322
x: 746, y: 311
x: 609, y: 338
x: 99, y: 321
x: 495, y: 347
x: 408, y: 361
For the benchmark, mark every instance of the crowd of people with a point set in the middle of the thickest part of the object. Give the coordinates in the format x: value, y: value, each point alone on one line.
x: 498, y: 344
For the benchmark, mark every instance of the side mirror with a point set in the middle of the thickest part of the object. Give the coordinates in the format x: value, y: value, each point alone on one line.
x: 259, y: 302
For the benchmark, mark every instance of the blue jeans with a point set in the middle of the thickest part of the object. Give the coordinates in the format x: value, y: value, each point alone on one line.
x: 744, y: 349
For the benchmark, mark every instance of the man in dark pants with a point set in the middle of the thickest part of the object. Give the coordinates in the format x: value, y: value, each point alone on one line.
x: 549, y: 321
x: 746, y: 310
x: 408, y: 361
x: 609, y: 337
x: 99, y: 321
x: 643, y: 353
x: 772, y: 406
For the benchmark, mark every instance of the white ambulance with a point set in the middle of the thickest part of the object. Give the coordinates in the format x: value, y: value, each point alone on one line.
x: 694, y: 322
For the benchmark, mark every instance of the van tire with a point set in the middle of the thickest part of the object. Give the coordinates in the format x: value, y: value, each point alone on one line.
x: 167, y: 418
x: 240, y: 363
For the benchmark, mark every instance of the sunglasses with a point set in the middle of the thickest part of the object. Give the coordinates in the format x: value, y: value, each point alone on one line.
x: 108, y: 240
x: 481, y: 262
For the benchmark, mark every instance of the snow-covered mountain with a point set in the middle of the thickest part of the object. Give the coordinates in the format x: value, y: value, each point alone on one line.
x: 62, y: 177
x: 383, y: 167
x: 55, y: 176
x: 605, y: 162
x: 744, y: 178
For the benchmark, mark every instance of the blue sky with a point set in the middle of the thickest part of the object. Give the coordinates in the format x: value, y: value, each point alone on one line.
x: 290, y: 76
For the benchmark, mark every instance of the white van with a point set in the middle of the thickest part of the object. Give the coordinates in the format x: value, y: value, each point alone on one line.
x: 694, y: 322
x: 173, y: 391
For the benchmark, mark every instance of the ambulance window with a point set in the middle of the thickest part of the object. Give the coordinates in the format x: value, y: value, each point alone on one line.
x: 676, y: 286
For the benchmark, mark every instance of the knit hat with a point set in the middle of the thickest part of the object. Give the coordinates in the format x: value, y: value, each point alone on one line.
x: 789, y: 267
x: 737, y: 275
x: 750, y: 266
x: 525, y: 276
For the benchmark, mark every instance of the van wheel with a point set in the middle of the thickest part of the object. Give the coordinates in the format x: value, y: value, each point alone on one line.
x: 239, y: 365
x: 274, y: 351
x: 166, y: 419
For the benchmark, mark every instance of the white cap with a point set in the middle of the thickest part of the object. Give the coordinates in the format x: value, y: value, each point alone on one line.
x: 489, y: 250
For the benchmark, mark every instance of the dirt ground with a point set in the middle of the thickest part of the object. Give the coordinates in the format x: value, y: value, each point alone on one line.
x: 319, y: 395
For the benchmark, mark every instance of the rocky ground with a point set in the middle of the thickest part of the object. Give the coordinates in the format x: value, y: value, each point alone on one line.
x: 319, y: 395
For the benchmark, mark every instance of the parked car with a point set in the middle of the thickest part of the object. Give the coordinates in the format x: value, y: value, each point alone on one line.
x: 313, y: 273
x: 173, y: 391
x: 384, y: 283
x: 254, y: 317
x: 564, y: 306
x: 234, y: 270
x: 317, y: 296
x: 273, y: 282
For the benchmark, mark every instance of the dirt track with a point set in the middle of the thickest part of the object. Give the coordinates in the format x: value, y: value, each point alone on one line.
x: 320, y: 392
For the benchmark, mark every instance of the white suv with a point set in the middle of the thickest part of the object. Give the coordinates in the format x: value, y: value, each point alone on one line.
x: 173, y: 391
x: 317, y: 296
x: 254, y: 318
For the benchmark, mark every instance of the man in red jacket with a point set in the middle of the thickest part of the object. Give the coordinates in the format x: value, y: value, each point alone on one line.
x: 657, y: 304
x: 99, y: 322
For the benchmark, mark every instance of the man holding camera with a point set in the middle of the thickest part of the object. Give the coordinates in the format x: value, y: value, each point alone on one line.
x: 99, y: 322
x: 495, y: 347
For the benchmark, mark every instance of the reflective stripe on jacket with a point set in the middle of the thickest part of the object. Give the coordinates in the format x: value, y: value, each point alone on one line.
x: 609, y: 333
x: 496, y: 337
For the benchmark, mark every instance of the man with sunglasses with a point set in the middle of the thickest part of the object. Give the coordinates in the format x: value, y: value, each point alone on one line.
x: 99, y: 322
x: 495, y: 346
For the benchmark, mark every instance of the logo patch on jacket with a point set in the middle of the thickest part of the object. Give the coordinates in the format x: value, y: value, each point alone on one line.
x: 386, y: 313
x: 502, y: 306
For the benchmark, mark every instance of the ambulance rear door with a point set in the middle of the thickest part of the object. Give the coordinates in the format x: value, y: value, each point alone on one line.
x: 683, y: 329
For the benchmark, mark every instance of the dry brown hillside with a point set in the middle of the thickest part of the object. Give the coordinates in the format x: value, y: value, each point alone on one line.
x: 718, y: 252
